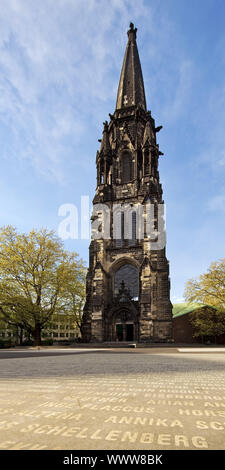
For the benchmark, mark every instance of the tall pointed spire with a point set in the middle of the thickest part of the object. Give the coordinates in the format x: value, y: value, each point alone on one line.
x: 131, y: 86
x: 121, y: 248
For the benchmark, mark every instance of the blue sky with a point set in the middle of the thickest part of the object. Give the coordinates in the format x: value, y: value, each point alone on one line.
x: 60, y: 63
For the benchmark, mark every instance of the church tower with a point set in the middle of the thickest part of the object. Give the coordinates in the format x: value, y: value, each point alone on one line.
x: 128, y: 278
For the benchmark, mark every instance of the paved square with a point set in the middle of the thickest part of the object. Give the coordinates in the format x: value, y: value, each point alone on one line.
x: 112, y: 399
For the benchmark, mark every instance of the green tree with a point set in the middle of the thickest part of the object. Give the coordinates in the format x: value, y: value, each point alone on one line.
x: 34, y: 272
x: 207, y: 321
x: 73, y: 294
x: 209, y: 288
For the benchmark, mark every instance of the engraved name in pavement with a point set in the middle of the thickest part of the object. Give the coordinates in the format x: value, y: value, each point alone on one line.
x: 108, y: 413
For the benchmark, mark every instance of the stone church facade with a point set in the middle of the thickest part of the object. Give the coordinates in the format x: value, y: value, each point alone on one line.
x: 127, y: 286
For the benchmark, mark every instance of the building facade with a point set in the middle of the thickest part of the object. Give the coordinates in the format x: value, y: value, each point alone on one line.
x: 183, y: 328
x: 128, y: 287
x: 60, y: 328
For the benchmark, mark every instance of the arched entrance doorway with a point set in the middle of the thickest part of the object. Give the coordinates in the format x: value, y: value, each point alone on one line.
x: 124, y: 325
x: 121, y: 317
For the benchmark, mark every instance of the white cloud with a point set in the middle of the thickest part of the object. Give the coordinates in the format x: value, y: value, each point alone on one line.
x: 54, y: 60
x: 217, y: 203
x: 177, y: 300
x: 180, y: 89
x: 221, y: 158
x: 210, y: 122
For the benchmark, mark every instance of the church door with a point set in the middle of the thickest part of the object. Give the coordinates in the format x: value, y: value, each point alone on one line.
x: 129, y: 332
x: 119, y: 332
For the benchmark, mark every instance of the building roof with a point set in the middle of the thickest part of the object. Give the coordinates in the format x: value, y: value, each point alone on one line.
x: 185, y: 308
x: 131, y: 86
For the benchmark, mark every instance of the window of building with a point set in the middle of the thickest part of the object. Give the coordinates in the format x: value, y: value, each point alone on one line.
x: 127, y: 167
x: 132, y: 236
x: 119, y: 229
x: 128, y: 235
x: 126, y: 279
x: 147, y: 165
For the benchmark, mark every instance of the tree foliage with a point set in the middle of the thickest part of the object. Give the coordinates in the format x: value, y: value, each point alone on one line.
x: 73, y: 294
x: 209, y: 288
x: 208, y: 321
x: 35, y: 273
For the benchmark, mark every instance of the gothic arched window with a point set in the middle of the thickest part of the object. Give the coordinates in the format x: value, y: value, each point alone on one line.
x: 101, y: 173
x: 124, y: 228
x: 132, y: 236
x: 126, y: 281
x: 127, y: 167
x: 119, y: 229
x: 147, y: 163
